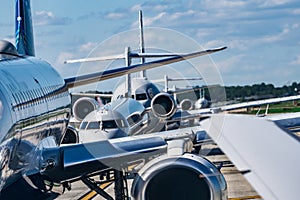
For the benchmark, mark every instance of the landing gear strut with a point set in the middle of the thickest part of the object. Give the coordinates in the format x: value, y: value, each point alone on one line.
x: 119, y: 179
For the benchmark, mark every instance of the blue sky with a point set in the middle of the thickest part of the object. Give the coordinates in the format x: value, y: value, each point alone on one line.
x: 263, y: 37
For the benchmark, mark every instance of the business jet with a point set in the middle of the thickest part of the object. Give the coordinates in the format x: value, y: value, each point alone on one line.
x: 34, y: 115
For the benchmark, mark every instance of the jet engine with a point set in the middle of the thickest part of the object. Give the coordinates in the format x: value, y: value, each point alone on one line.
x: 179, y: 177
x: 83, y: 106
x: 186, y: 104
x: 163, y: 105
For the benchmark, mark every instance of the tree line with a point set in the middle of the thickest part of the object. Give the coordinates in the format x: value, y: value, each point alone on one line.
x: 253, y: 92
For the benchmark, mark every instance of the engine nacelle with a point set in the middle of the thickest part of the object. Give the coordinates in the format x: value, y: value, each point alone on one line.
x: 163, y: 105
x: 186, y: 104
x: 84, y: 106
x: 179, y: 177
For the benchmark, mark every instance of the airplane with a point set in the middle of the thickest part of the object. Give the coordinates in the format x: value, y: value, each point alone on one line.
x: 87, y: 111
x: 127, y: 116
x: 34, y: 115
x: 122, y: 117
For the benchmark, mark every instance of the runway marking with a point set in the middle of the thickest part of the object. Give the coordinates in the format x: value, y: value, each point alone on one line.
x: 246, y: 197
x: 92, y: 194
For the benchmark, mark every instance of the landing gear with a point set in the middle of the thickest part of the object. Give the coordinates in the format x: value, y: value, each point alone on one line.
x: 111, y: 176
x: 121, y: 187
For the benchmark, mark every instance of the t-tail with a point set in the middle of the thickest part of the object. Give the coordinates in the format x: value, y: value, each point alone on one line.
x: 24, y: 32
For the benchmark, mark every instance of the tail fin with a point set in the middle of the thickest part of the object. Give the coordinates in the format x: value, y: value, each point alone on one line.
x: 24, y: 32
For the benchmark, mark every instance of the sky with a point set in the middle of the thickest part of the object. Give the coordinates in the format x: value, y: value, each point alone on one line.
x: 263, y: 37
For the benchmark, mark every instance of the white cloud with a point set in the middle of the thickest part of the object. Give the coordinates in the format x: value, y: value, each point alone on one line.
x: 115, y: 15
x: 214, y: 44
x: 87, y: 47
x: 296, y: 61
x: 270, y: 3
x: 239, y: 44
x: 136, y: 8
x: 43, y: 18
x: 248, y: 28
x: 276, y: 37
x: 296, y: 11
x: 229, y: 64
x: 150, y: 21
x: 151, y: 6
x: 223, y: 4
x: 63, y: 56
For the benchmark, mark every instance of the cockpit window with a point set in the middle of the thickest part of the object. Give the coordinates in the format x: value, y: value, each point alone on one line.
x: 109, y: 124
x: 120, y: 123
x: 94, y: 125
x: 133, y: 119
x: 142, y: 96
x: 83, y: 125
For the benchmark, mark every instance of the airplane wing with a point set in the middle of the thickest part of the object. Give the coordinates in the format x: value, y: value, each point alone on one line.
x: 266, y: 154
x: 77, y: 160
x: 113, y: 73
x: 248, y: 104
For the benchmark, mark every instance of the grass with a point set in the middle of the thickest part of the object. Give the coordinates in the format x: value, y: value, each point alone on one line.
x: 284, y: 107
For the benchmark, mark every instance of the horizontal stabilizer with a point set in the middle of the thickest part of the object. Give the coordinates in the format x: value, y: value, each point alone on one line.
x: 82, y: 60
x: 123, y: 56
x: 113, y: 73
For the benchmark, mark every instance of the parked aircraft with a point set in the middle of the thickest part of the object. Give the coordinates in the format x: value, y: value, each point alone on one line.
x: 127, y: 117
x: 34, y: 116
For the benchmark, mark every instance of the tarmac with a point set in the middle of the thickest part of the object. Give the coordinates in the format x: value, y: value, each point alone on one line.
x: 237, y: 186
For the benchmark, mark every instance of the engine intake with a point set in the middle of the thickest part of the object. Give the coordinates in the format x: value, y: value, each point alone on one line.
x: 71, y: 136
x: 186, y: 104
x: 83, y: 106
x: 179, y: 177
x: 163, y: 105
